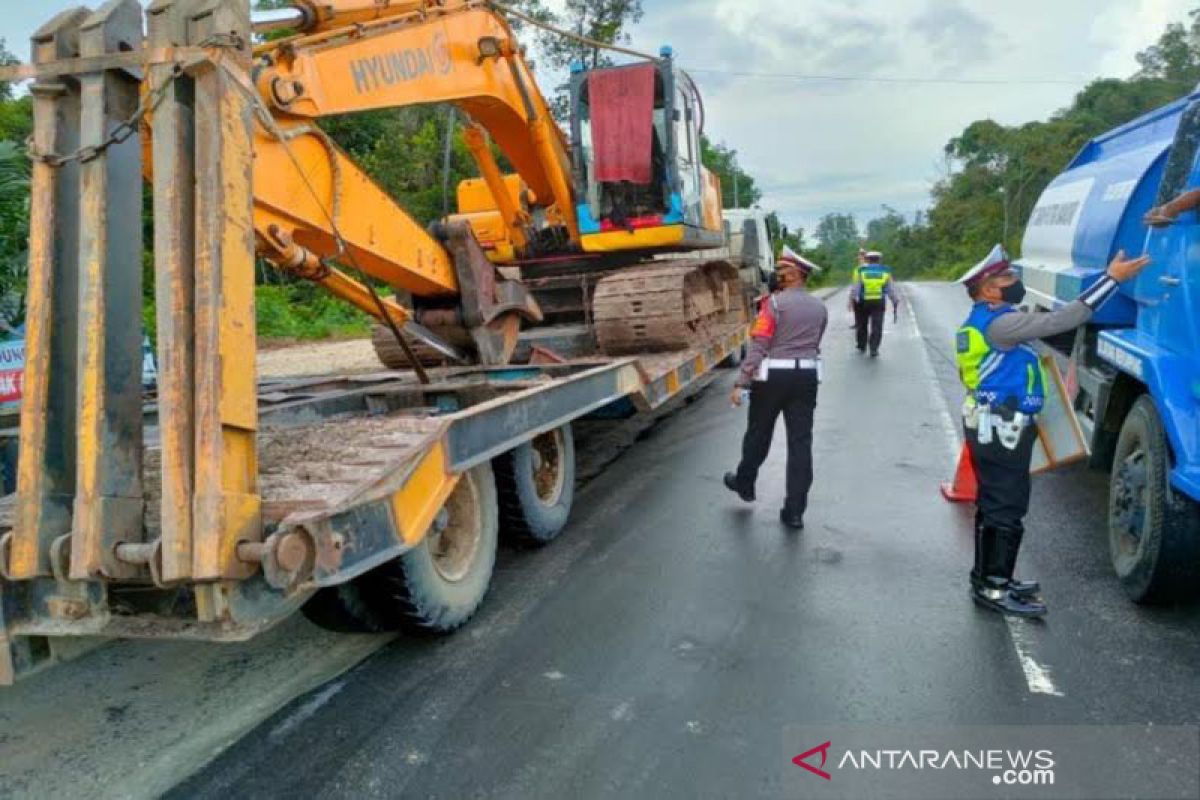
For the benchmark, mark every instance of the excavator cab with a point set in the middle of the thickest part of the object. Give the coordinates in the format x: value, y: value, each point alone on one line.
x: 639, y: 180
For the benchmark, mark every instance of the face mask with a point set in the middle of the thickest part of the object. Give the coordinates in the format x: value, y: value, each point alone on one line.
x: 1013, y: 294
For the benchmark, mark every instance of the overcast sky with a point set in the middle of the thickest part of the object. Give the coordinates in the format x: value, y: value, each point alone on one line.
x: 850, y: 146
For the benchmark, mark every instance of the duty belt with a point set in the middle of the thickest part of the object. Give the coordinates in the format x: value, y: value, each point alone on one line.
x: 989, y: 424
x: 793, y: 363
x: 769, y: 364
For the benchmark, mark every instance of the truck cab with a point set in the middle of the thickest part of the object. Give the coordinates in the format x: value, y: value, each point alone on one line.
x: 1135, y: 368
x: 750, y: 244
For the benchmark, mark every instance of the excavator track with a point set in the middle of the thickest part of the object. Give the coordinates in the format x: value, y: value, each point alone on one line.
x: 666, y: 305
x: 392, y: 355
x: 653, y: 307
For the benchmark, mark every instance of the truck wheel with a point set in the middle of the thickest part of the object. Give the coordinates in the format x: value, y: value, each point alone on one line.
x: 437, y: 586
x: 535, y: 485
x: 1152, y: 529
x: 345, y: 609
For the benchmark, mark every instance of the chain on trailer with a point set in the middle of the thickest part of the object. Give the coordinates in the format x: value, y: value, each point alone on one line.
x: 149, y: 101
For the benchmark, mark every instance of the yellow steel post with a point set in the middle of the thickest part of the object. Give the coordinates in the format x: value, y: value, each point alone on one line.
x: 174, y: 281
x: 46, y: 475
x: 108, y: 482
x: 227, y: 507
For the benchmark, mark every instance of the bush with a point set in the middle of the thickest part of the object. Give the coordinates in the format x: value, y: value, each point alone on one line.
x: 304, y: 311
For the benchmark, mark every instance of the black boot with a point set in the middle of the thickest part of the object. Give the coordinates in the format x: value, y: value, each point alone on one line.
x: 1002, y: 544
x: 744, y: 492
x: 985, y: 544
x: 793, y: 519
x: 1008, y: 545
x: 994, y: 594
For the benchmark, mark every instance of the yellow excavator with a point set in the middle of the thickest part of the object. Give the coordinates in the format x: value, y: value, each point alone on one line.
x: 578, y: 221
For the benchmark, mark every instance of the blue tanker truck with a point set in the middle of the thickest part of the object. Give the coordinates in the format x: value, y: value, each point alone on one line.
x: 1135, y: 368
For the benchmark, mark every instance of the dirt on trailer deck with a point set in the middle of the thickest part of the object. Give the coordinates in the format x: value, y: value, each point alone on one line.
x: 309, y: 468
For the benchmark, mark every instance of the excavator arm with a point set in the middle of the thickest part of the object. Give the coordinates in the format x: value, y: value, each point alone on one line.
x: 457, y: 52
x: 313, y: 205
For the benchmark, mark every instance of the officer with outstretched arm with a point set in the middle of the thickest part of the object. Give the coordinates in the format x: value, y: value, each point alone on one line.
x: 1005, y: 391
x: 782, y: 370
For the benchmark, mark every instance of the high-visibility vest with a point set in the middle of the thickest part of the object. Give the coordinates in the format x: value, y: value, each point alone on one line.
x: 874, y: 279
x: 997, y: 377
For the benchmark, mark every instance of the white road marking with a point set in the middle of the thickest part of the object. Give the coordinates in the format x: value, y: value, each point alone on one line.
x: 1037, y: 675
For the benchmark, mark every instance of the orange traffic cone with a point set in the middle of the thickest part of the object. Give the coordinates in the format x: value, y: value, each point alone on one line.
x: 965, y: 487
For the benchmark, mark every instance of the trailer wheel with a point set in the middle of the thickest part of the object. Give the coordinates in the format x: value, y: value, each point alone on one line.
x: 437, y: 586
x: 1152, y: 529
x: 535, y: 485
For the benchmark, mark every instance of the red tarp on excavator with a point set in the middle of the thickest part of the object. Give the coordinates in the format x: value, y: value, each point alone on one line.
x: 621, y: 102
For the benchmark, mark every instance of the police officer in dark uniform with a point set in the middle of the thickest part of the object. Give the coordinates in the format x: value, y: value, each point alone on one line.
x: 870, y: 289
x: 782, y: 370
x: 1005, y: 392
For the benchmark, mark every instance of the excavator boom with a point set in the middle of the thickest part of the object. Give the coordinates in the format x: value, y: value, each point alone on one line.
x: 314, y: 206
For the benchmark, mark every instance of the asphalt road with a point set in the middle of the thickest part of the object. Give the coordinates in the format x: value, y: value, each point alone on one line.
x: 661, y: 647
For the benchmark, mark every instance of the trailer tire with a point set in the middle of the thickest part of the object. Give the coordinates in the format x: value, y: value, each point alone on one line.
x: 438, y: 585
x: 345, y: 609
x: 1152, y: 529
x: 535, y: 486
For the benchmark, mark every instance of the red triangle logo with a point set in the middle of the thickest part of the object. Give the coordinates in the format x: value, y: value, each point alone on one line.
x: 802, y: 760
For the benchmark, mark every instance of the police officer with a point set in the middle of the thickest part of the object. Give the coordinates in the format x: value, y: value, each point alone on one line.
x: 782, y: 370
x: 860, y: 261
x: 1005, y: 391
x: 870, y: 290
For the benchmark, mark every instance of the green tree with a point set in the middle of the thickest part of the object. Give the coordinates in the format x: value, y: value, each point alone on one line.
x: 1175, y: 57
x: 738, y: 189
x: 838, y: 240
x: 14, y: 232
x: 16, y: 114
x: 605, y: 21
x: 15, y: 126
x: 834, y: 230
x: 997, y: 172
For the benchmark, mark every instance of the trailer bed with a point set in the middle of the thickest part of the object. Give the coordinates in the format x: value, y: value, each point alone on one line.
x: 359, y: 466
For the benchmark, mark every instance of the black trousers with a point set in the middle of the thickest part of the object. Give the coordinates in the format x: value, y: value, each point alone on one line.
x: 868, y: 323
x: 1003, y: 475
x: 792, y: 392
x: 1003, y: 501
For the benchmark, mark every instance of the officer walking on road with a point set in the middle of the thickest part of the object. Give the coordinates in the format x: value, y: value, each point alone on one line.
x: 860, y: 262
x: 782, y: 369
x: 1005, y: 392
x: 871, y: 289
